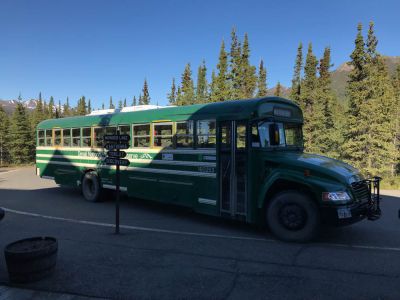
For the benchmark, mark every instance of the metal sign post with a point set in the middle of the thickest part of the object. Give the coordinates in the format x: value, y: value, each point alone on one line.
x: 115, y: 157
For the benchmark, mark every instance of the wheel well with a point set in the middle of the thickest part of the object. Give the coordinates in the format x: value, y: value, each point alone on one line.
x: 284, y: 185
x: 86, y: 171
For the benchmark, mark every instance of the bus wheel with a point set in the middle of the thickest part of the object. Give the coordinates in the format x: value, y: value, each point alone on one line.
x: 91, y: 187
x: 293, y: 217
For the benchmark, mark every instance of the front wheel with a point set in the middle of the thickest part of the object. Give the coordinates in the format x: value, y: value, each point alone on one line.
x: 91, y: 187
x: 293, y: 217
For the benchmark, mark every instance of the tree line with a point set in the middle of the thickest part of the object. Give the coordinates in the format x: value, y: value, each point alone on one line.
x: 364, y: 131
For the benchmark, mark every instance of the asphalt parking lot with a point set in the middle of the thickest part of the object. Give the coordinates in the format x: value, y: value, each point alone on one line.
x: 166, y: 252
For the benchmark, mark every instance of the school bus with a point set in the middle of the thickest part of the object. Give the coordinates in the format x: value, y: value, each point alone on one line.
x: 239, y: 159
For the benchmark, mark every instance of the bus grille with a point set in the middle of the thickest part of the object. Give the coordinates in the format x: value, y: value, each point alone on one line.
x: 361, y: 191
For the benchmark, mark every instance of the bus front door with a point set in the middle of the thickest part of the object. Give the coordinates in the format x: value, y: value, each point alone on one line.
x: 233, y: 168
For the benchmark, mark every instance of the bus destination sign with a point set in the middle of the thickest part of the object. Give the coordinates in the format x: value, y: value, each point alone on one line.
x: 116, y: 161
x: 116, y: 154
x: 112, y: 146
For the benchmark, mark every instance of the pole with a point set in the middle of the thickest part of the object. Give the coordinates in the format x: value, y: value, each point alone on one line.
x: 117, y: 198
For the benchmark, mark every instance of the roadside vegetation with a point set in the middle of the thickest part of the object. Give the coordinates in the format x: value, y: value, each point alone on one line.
x: 363, y: 130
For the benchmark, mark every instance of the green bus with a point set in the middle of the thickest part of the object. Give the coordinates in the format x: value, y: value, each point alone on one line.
x: 240, y: 159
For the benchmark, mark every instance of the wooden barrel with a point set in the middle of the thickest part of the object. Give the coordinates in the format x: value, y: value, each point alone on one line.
x: 31, y: 259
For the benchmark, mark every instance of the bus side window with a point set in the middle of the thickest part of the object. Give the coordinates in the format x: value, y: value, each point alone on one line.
x: 206, y: 134
x: 76, y: 137
x: 110, y: 130
x: 41, y: 140
x: 124, y: 129
x: 86, y: 137
x: 66, y: 137
x: 98, y: 136
x: 141, y: 135
x: 49, y: 137
x: 162, y: 135
x: 57, y: 137
x: 184, y: 134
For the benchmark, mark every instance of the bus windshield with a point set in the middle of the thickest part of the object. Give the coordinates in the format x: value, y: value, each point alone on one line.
x: 272, y: 134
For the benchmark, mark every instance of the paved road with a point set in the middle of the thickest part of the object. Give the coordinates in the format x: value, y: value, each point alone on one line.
x: 170, y: 253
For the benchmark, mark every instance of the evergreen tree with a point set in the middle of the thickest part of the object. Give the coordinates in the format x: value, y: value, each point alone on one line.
x: 21, y: 140
x: 134, y: 102
x: 4, y: 137
x: 81, y: 107
x: 89, y: 107
x: 51, y: 108
x: 146, y: 95
x: 140, y: 99
x: 187, y: 96
x: 396, y: 112
x: 201, y: 89
x: 120, y: 105
x: 219, y: 88
x: 102, y: 106
x: 296, y: 81
x: 19, y: 97
x: 262, y: 81
x: 248, y: 80
x: 125, y: 102
x: 235, y: 74
x: 278, y: 90
x: 172, y: 95
x: 38, y: 114
x: 111, y: 106
x: 67, y: 109
x: 312, y: 108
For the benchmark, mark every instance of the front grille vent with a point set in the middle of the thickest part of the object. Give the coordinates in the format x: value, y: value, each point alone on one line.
x: 361, y: 191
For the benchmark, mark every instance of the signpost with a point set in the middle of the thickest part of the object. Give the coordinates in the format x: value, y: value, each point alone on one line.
x: 115, y: 157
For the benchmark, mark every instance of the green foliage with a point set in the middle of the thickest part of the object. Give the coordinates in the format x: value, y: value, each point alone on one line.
x: 111, y: 105
x: 278, y: 90
x: 81, y: 107
x: 202, y: 85
x: 172, y: 95
x: 51, y: 109
x: 262, y: 81
x: 21, y: 139
x: 146, y: 95
x: 248, y: 80
x: 4, y: 137
x: 295, y: 91
x: 186, y: 94
x: 67, y: 109
x: 134, y: 102
x: 89, y: 107
x: 219, y: 88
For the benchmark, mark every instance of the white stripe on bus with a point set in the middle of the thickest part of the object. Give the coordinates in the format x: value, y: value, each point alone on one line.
x: 135, y: 160
x: 134, y: 150
x: 207, y: 201
x: 113, y: 187
x: 138, y: 169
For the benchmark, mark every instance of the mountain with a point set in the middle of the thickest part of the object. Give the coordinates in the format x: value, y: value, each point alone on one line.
x: 9, y: 105
x: 341, y: 75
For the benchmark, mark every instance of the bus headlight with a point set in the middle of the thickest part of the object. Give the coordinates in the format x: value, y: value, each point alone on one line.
x: 335, y: 196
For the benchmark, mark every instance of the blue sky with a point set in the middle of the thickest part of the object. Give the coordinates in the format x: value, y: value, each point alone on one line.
x: 106, y: 48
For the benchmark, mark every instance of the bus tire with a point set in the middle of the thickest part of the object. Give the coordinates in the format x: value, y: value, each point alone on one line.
x: 293, y: 217
x: 91, y: 189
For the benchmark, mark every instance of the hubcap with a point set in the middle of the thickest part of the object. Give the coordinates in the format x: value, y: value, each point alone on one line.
x: 292, y: 216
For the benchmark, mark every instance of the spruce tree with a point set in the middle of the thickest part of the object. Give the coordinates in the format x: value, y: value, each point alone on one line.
x: 89, y: 107
x: 278, y: 90
x: 38, y: 114
x: 396, y: 112
x: 51, y: 108
x: 21, y: 139
x: 296, y: 81
x: 262, y: 81
x: 66, y: 108
x: 102, y: 106
x: 146, y: 95
x: 140, y: 99
x: 4, y: 137
x: 187, y: 95
x: 111, y: 106
x: 134, y: 102
x: 172, y: 95
x: 125, y: 102
x: 219, y: 88
x: 235, y: 72
x: 248, y: 80
x: 120, y: 104
x: 81, y: 108
x: 202, y: 85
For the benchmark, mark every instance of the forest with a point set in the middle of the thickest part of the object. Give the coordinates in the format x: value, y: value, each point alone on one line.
x: 363, y: 130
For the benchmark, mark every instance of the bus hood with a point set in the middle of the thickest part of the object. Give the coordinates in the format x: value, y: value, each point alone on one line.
x: 318, y: 165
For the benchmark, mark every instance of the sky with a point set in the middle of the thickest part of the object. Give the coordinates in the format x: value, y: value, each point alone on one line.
x: 70, y: 48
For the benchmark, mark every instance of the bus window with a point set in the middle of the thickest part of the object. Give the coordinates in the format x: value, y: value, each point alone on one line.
x: 255, y: 138
x: 57, y: 137
x: 141, y: 135
x: 66, y: 137
x: 86, y: 137
x: 124, y: 129
x: 76, y: 137
x: 206, y: 134
x: 98, y: 136
x: 49, y: 137
x: 184, y: 134
x: 41, y: 141
x: 110, y: 130
x: 241, y: 135
x: 162, y: 135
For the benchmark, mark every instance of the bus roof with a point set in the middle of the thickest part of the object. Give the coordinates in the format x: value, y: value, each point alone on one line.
x: 226, y: 110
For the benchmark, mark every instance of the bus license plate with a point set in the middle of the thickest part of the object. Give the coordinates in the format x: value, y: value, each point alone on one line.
x: 344, y: 213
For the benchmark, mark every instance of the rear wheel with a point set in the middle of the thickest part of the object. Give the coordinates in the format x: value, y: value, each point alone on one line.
x: 91, y: 189
x: 293, y: 217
